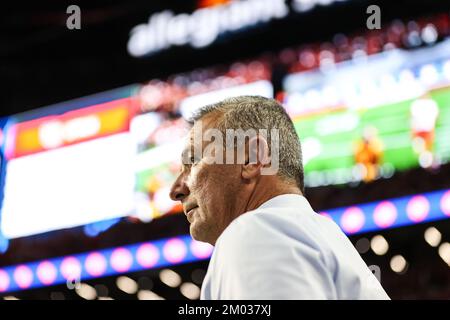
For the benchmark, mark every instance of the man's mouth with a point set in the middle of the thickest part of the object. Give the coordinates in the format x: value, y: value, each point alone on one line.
x: 190, y: 211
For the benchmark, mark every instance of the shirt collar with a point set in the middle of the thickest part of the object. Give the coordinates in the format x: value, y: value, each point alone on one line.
x: 286, y: 200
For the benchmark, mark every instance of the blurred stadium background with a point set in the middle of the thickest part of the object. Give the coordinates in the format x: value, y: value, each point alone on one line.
x: 92, y: 121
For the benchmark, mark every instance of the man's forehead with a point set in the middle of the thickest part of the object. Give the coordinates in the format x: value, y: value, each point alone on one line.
x: 200, y: 127
x: 206, y: 122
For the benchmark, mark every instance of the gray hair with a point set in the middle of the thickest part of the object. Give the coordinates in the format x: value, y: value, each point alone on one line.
x: 256, y: 112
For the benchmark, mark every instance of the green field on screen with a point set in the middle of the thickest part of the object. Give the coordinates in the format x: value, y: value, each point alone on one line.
x: 392, y: 122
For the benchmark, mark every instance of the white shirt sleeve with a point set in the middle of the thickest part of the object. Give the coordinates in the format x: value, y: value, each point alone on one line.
x: 254, y: 260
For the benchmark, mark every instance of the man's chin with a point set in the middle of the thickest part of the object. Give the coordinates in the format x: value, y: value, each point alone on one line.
x: 196, y: 234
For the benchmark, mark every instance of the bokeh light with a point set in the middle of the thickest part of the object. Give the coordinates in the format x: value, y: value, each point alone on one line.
x: 147, y: 255
x: 71, y: 268
x: 385, y: 214
x: 352, y: 220
x: 418, y: 208
x: 46, y: 272
x: 121, y: 259
x: 95, y: 264
x: 174, y: 250
x: 23, y: 276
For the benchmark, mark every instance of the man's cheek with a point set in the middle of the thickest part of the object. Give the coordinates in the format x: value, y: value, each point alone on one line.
x: 198, y: 177
x: 195, y: 186
x: 191, y: 180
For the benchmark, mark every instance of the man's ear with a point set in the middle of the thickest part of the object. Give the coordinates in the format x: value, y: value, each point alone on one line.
x: 257, y: 156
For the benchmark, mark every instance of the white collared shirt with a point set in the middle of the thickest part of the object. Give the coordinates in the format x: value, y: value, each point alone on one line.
x: 284, y: 250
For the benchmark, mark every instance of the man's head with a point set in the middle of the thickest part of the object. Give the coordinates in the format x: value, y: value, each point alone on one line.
x: 216, y: 186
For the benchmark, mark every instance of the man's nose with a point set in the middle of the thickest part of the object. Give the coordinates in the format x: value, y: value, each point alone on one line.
x: 179, y: 190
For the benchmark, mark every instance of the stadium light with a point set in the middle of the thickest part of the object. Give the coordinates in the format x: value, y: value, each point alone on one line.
x: 379, y: 245
x: 190, y: 290
x: 432, y: 236
x: 170, y: 278
x: 398, y: 264
x: 127, y: 285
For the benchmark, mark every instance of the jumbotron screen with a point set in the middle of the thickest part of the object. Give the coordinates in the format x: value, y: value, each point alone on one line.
x: 362, y: 120
x: 100, y: 158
